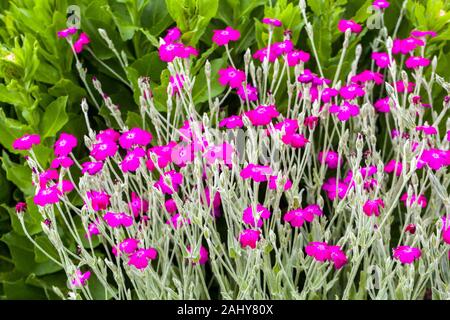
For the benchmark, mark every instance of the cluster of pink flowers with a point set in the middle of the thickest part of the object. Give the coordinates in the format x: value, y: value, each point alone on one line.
x: 297, y: 217
x: 133, y: 151
x: 321, y: 251
x: 78, y: 45
x: 407, y: 254
x: 174, y: 48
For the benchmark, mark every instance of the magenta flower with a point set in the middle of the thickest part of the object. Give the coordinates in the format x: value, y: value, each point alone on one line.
x: 272, y: 22
x: 107, y: 135
x: 372, y: 207
x: 215, y: 202
x: 116, y: 220
x: 436, y: 158
x: 351, y: 92
x: 382, y: 105
x: 345, y: 111
x: 381, y: 59
x: 406, y: 254
x: 127, y: 246
x: 92, y: 229
x: 289, y: 126
x: 65, y: 144
x: 334, y: 189
x: 67, y: 32
x: 176, y: 179
x: 21, y: 207
x: 428, y: 130
x: 249, y: 238
x: 177, y: 221
x: 223, y: 37
x: 183, y: 154
x: 394, y: 166
x: 273, y: 183
x: 163, y: 154
x: 367, y: 76
x: 380, y: 4
x: 221, y: 152
x: 99, y: 200
x: 176, y: 83
x: 170, y: 206
x: 103, y: 150
x: 80, y: 279
x: 337, y: 256
x: 265, y: 53
x: 416, y: 62
x: 132, y: 160
x: 297, y: 217
x: 26, y: 142
x: 232, y: 77
x: 47, y: 196
x: 83, y: 40
x: 321, y: 252
x: 311, y: 122
x: 307, y: 76
x: 406, y: 46
x: 284, y: 47
x: 91, y: 168
x: 63, y: 162
x: 370, y: 184
x: 169, y: 51
x: 256, y: 172
x: 141, y: 258
x: 294, y: 57
x: 137, y: 205
x: 66, y: 186
x: 411, y: 228
x: 203, y: 255
x: 133, y: 137
x: 368, y: 171
x: 331, y: 158
x: 253, y: 218
x: 188, y: 51
x: 295, y: 140
x: 262, y: 115
x: 445, y: 230
x: 172, y: 35
x: 313, y: 209
x: 421, y: 200
x: 247, y: 92
x: 318, y: 250
x: 328, y: 94
x: 231, y: 122
x: 400, y: 86
x: 343, y: 25
x: 47, y: 176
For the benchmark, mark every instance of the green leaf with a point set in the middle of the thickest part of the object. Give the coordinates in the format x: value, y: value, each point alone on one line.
x: 55, y: 117
x: 19, y: 174
x: 66, y: 87
x: 19, y: 290
x: 22, y: 252
x: 32, y: 219
x: 133, y: 120
x: 10, y: 130
x: 155, y: 17
x: 45, y: 244
x: 192, y: 17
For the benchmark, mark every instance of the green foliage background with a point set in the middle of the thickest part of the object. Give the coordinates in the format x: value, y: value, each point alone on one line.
x: 41, y: 90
